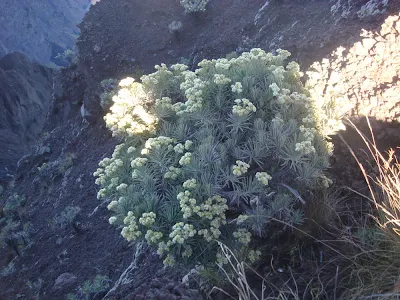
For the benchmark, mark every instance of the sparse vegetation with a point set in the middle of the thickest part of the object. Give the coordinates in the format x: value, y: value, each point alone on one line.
x: 14, y: 230
x: 91, y: 289
x: 58, y: 167
x: 35, y: 287
x: 69, y: 56
x: 376, y: 269
x: 9, y: 269
x: 68, y: 218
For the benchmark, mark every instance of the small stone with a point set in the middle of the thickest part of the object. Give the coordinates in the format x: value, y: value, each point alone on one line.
x: 96, y: 48
x: 65, y: 280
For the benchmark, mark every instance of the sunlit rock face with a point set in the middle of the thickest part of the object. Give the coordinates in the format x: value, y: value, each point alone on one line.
x: 366, y: 75
x: 40, y: 29
x: 25, y: 96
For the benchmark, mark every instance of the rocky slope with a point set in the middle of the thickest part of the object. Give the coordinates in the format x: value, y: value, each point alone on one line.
x: 126, y: 37
x: 25, y: 96
x: 40, y: 29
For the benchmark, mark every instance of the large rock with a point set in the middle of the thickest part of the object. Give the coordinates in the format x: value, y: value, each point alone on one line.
x: 25, y: 96
x: 39, y: 29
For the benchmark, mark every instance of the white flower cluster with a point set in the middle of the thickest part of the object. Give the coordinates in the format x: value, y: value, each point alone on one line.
x: 181, y: 232
x: 162, y: 70
x: 165, y: 102
x: 283, y: 54
x: 294, y: 68
x: 193, y: 89
x: 275, y: 89
x: 278, y: 72
x: 241, y: 219
x: 131, y: 149
x: 156, y: 143
x: 179, y: 68
x: 126, y: 82
x: 188, y: 144
x: 221, y: 259
x: 243, y: 107
x: 240, y: 168
x: 112, y: 220
x: 222, y: 64
x: 138, y: 162
x: 108, y: 171
x: 131, y: 231
x: 172, y: 173
x: 179, y: 148
x: 112, y: 205
x: 205, y: 65
x: 243, y: 236
x: 263, y: 178
x: 221, y: 79
x: 306, y: 146
x: 307, y: 133
x: 147, y: 219
x: 254, y: 255
x: 129, y: 114
x: 213, y: 209
x: 122, y: 187
x: 169, y: 260
x: 237, y: 87
x: 153, y: 237
x: 192, y: 6
x: 185, y: 159
x: 187, y: 204
x: 190, y: 184
x: 163, y: 247
x: 283, y: 97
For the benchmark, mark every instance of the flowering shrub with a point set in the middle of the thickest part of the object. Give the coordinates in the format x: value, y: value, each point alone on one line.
x: 227, y: 147
x: 129, y: 114
x: 192, y: 6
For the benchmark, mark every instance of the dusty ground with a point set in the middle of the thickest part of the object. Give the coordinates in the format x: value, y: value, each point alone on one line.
x: 119, y: 38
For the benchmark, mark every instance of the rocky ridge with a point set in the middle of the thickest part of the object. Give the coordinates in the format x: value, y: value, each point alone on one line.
x: 25, y: 94
x: 40, y: 29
